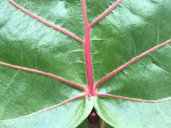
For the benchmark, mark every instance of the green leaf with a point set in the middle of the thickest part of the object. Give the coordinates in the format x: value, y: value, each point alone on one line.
x: 61, y: 58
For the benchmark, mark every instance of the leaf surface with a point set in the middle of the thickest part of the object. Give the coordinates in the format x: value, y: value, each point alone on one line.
x: 59, y: 59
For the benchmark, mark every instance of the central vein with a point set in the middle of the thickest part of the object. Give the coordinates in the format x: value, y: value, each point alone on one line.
x: 87, y: 52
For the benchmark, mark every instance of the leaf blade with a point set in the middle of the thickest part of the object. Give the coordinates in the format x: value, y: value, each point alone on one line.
x: 54, y: 117
x: 147, y: 114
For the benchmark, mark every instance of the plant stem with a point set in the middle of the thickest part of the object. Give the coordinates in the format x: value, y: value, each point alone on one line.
x: 93, y: 120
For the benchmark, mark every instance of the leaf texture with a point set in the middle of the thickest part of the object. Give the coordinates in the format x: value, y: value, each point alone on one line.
x: 61, y: 58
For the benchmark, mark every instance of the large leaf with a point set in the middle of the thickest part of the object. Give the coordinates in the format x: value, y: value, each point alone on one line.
x: 50, y: 75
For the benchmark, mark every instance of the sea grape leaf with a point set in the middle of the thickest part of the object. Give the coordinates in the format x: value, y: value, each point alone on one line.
x: 61, y: 58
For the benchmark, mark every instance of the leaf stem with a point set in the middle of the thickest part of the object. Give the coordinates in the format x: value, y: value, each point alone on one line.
x: 93, y: 120
x: 103, y: 124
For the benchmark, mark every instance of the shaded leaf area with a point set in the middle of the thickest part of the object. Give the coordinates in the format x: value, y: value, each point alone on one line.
x: 23, y: 93
x: 130, y: 29
x: 148, y: 78
x: 69, y: 116
x: 129, y: 114
x: 65, y: 13
x: 85, y: 125
x: 29, y: 43
x: 107, y: 126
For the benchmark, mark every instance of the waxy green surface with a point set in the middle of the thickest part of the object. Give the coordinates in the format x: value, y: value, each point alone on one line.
x: 129, y: 30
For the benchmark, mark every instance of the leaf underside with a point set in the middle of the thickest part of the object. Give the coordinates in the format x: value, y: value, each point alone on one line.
x: 61, y: 58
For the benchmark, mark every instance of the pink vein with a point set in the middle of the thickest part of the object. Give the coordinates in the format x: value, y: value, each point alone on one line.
x: 87, y: 51
x: 66, y: 32
x: 53, y: 107
x: 105, y: 13
x: 133, y: 99
x: 130, y: 62
x: 65, y: 102
x: 44, y: 74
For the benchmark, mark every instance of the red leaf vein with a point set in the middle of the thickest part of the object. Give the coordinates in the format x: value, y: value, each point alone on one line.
x: 66, y: 32
x: 113, y: 73
x: 53, y: 107
x: 105, y: 13
x: 133, y: 99
x: 87, y: 52
x: 44, y: 74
